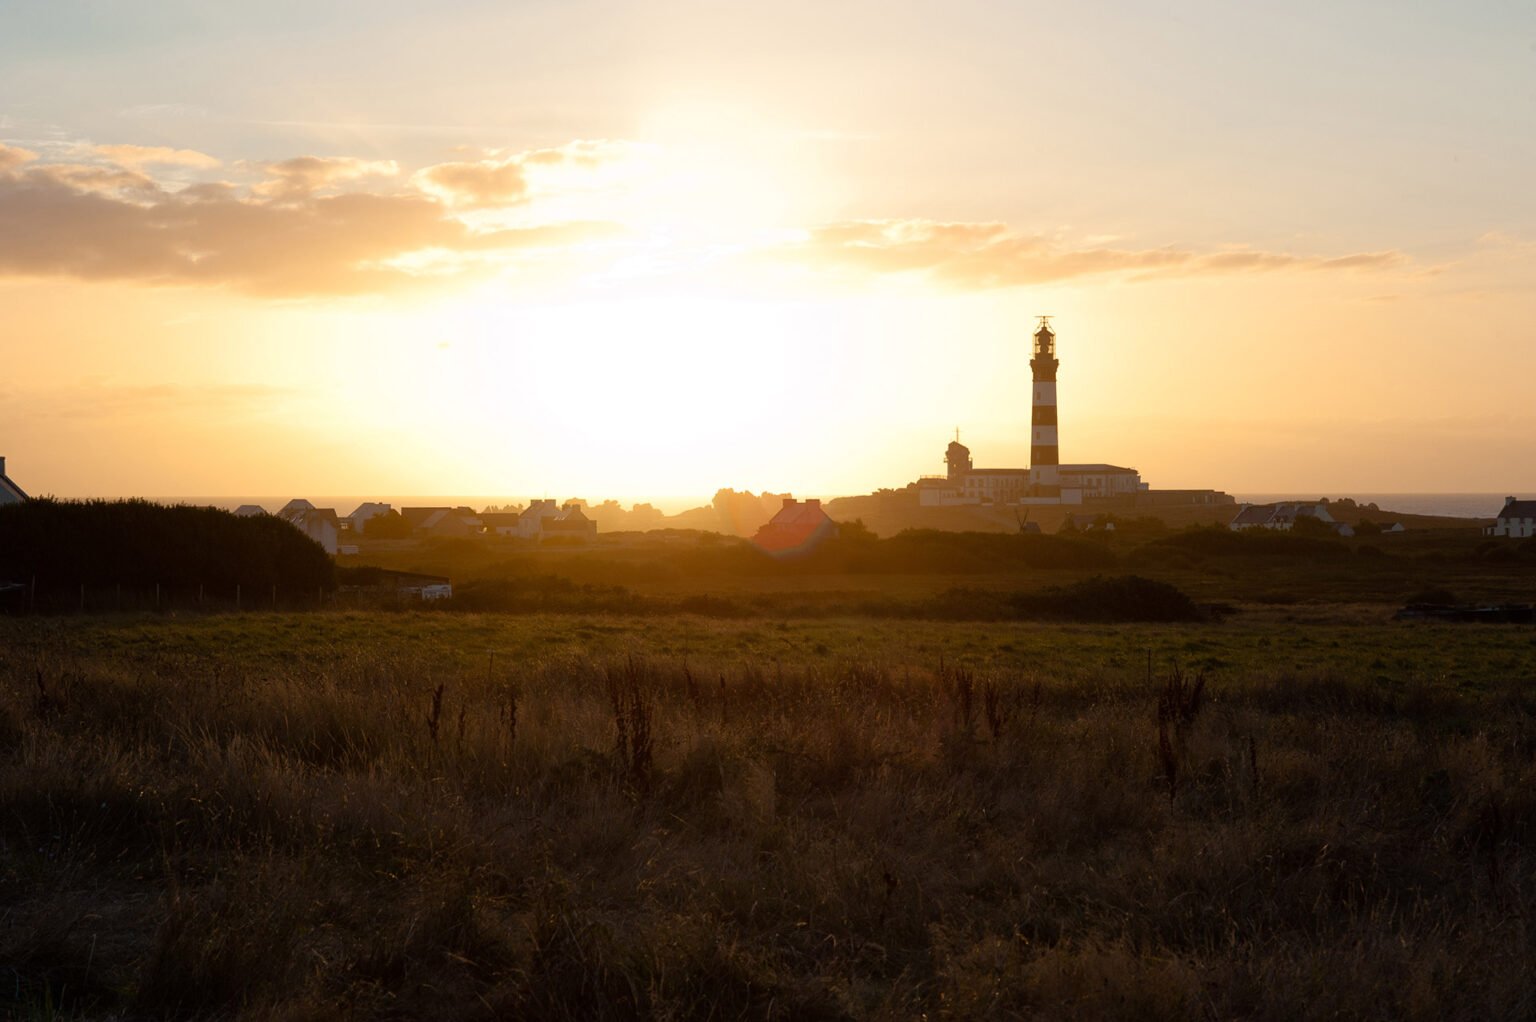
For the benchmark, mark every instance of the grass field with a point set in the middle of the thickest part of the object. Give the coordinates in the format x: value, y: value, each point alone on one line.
x: 475, y: 816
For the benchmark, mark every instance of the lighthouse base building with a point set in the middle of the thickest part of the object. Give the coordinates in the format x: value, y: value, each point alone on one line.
x: 1077, y: 483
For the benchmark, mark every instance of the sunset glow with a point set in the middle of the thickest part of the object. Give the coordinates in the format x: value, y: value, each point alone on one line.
x: 762, y: 253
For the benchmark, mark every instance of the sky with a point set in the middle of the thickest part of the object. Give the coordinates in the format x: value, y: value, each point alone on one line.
x: 595, y: 249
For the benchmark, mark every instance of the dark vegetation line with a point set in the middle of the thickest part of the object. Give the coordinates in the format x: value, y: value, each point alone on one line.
x: 65, y: 557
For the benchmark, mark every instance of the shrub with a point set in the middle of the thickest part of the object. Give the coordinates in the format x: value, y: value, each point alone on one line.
x: 138, y: 545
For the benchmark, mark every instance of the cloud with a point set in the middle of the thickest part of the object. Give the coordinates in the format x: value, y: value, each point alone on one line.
x: 477, y: 184
x: 14, y: 156
x: 990, y: 255
x: 86, y: 177
x: 305, y: 175
x: 286, y: 236
x: 504, y: 178
x: 328, y: 225
x: 135, y: 156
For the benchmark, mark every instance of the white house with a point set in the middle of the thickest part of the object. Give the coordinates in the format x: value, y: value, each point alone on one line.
x: 1516, y: 519
x: 318, y: 523
x: 530, y: 522
x: 1282, y: 516
x: 368, y: 509
x: 10, y: 493
x: 249, y: 511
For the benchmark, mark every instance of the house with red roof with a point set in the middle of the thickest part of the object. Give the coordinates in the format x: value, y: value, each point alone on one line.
x: 797, y: 528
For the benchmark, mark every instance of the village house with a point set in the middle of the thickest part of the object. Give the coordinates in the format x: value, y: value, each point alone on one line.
x: 1280, y: 517
x: 359, y: 518
x: 1516, y: 519
x: 797, y: 528
x: 318, y: 523
x: 500, y: 523
x: 1284, y: 516
x: 571, y: 523
x: 447, y: 522
x: 544, y: 519
x: 10, y: 493
x: 250, y: 510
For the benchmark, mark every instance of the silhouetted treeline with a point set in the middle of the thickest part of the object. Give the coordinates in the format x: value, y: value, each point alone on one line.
x: 133, y: 546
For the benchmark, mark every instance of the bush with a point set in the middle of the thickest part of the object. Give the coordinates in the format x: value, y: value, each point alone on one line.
x: 1124, y: 598
x: 138, y: 545
x: 1121, y: 598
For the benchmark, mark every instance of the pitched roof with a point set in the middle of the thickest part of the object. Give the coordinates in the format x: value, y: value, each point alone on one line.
x: 417, y: 515
x: 1096, y: 467
x: 368, y: 509
x: 1258, y: 514
x: 249, y: 510
x: 797, y: 527
x: 539, y: 509
x: 10, y: 493
x: 315, y: 514
x: 1277, y: 514
x: 1518, y: 509
x: 445, y: 514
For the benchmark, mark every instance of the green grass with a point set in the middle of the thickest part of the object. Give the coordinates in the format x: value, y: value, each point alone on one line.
x: 433, y: 815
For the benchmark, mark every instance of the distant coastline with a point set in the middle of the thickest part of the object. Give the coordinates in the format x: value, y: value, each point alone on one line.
x: 1444, y: 505
x: 1448, y: 505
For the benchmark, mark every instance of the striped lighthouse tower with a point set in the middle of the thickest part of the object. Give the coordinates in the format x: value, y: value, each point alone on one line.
x: 1044, y: 456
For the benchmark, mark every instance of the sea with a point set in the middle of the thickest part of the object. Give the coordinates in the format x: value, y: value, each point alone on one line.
x: 1450, y: 505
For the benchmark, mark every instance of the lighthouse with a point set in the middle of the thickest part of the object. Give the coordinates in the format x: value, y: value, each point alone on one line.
x: 1044, y: 455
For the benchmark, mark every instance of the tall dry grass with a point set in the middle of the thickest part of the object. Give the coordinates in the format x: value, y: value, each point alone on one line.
x: 192, y: 835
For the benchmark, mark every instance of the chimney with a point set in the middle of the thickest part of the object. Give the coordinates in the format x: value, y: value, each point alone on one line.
x: 2, y: 469
x: 789, y: 502
x: 1507, y: 500
x: 814, y: 502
